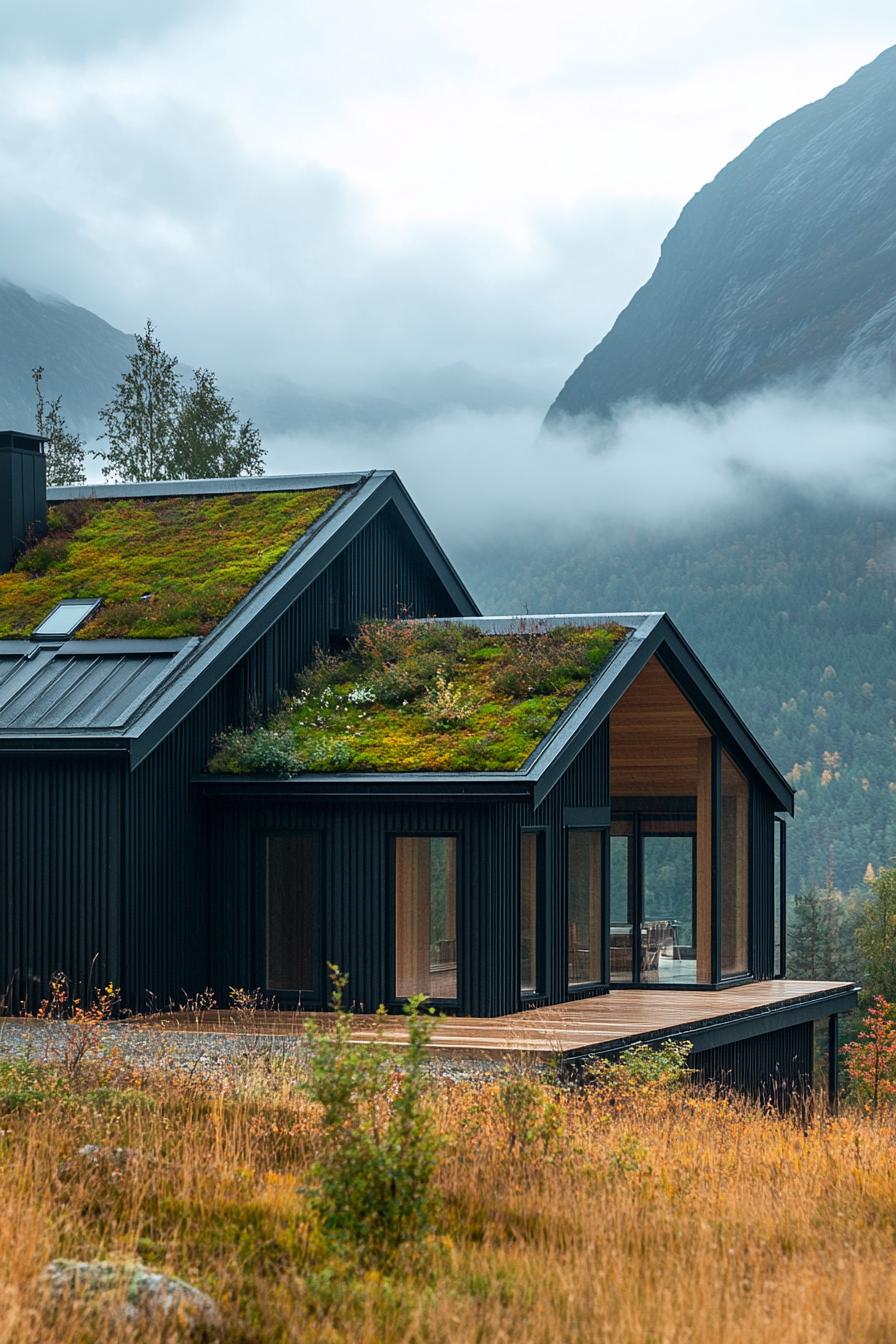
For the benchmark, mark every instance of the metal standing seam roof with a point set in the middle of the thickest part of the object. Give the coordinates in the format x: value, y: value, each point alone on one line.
x: 65, y: 687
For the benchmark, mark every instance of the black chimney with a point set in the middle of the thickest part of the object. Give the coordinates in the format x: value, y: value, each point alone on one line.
x: 23, y: 492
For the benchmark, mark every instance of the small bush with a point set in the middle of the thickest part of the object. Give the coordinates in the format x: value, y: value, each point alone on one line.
x: 263, y: 751
x: 643, y: 1068
x: 531, y: 1113
x: 372, y: 1183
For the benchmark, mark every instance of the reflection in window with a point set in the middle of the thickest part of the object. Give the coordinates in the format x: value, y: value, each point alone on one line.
x: 425, y: 916
x: 734, y: 823
x: 622, y: 912
x: 290, y: 897
x: 669, y: 900
x: 530, y: 882
x: 584, y: 852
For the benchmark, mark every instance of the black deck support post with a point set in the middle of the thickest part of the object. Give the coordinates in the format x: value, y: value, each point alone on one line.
x: 833, y: 1061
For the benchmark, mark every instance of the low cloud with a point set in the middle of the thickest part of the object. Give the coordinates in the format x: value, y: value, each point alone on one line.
x: 478, y: 476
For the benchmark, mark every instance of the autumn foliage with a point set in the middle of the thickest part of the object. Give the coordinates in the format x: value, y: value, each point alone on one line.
x: 871, y: 1057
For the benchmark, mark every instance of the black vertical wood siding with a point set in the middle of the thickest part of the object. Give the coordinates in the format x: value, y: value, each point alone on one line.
x: 60, y: 868
x: 774, y: 1067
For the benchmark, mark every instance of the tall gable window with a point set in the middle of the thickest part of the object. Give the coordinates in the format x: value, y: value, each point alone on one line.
x: 426, y: 916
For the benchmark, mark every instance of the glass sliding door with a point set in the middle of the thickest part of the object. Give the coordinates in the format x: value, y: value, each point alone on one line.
x: 668, y: 923
x: 531, y: 886
x: 584, y: 910
x: 426, y: 916
x: 291, y: 915
x: 622, y: 900
x: 734, y: 905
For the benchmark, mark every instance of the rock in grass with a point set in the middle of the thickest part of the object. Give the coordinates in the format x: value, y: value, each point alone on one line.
x: 98, y: 1160
x: 135, y: 1295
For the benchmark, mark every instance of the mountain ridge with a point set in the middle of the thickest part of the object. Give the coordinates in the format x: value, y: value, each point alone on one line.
x: 783, y: 266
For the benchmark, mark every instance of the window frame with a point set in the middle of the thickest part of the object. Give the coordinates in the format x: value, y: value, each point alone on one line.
x: 736, y: 977
x: 391, y: 962
x: 581, y: 989
x: 529, y: 996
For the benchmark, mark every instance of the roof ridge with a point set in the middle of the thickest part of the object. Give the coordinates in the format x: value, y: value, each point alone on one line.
x: 224, y: 485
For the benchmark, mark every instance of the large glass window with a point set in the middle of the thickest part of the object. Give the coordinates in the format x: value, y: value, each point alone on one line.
x: 531, y: 849
x: 669, y: 900
x: 291, y: 907
x: 734, y: 822
x: 584, y: 857
x: 425, y: 916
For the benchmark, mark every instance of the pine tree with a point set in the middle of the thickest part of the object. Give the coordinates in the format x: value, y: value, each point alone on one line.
x: 65, y: 447
x: 813, y: 940
x: 876, y: 936
x: 141, y: 419
x: 210, y: 441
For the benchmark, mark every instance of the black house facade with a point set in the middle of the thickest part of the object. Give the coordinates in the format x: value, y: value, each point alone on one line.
x: 640, y: 845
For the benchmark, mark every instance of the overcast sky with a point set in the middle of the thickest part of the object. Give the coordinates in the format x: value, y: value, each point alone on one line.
x: 345, y: 193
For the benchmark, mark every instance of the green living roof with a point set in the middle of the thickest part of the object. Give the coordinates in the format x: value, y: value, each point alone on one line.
x: 424, y: 696
x: 163, y: 567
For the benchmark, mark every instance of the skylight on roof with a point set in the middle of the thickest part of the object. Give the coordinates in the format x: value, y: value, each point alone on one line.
x: 66, y: 617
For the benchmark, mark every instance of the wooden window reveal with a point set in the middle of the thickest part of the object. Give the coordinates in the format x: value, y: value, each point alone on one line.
x: 426, y: 916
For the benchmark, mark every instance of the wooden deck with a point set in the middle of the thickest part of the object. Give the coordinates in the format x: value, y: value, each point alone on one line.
x: 599, y: 1025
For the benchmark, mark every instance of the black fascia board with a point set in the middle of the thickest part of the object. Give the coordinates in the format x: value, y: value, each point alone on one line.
x: 429, y: 543
x: 276, y: 591
x: 505, y: 784
x: 24, y: 742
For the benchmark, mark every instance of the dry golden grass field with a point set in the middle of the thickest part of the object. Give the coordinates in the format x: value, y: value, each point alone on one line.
x: 638, y: 1215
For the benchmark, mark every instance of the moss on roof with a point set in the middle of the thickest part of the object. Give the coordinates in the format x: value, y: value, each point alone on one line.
x: 419, y: 695
x: 163, y: 567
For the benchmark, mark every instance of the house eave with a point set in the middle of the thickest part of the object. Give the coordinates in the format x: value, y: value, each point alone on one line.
x: 504, y: 784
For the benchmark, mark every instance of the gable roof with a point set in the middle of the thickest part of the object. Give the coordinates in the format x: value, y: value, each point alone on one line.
x: 126, y: 694
x: 650, y: 634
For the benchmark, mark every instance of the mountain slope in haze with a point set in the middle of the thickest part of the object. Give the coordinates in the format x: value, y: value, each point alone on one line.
x: 784, y: 265
x: 84, y: 357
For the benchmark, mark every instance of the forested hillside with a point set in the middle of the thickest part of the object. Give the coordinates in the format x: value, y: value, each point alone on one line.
x: 794, y: 614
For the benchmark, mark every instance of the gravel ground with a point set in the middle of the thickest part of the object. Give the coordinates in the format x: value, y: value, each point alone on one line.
x: 199, y: 1051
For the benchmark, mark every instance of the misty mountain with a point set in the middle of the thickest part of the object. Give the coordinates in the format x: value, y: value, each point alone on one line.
x: 783, y: 266
x: 83, y: 356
